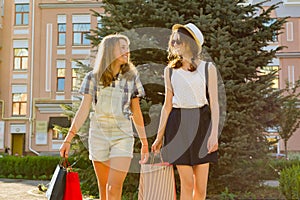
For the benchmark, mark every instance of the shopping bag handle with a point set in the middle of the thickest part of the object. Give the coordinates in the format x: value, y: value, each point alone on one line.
x: 152, y: 160
x: 64, y: 162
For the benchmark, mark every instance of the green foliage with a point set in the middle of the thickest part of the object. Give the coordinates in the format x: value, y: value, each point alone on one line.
x: 29, y: 167
x: 290, y: 182
x: 226, y: 195
x: 289, y: 115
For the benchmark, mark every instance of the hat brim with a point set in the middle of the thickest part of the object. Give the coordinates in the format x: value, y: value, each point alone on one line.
x: 177, y: 26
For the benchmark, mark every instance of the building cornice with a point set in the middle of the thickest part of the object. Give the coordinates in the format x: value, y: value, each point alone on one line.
x: 51, y: 106
x: 288, y: 54
x: 70, y: 5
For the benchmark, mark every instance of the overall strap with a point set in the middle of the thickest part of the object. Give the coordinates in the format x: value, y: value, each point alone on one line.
x: 206, y: 80
x: 95, y: 90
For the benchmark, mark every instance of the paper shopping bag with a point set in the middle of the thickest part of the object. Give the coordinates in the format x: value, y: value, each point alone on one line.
x: 157, y: 182
x: 72, y: 191
x: 57, y: 184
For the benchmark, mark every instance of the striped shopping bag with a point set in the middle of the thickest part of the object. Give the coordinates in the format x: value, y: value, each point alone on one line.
x: 157, y: 182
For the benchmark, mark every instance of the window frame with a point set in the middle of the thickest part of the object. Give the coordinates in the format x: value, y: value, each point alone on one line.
x: 61, y: 32
x: 21, y: 60
x: 82, y: 35
x: 74, y: 79
x: 22, y: 13
x: 60, y: 77
x: 20, y: 105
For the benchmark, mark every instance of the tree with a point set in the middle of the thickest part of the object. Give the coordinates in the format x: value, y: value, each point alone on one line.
x: 289, y: 114
x: 235, y: 36
x: 80, y: 142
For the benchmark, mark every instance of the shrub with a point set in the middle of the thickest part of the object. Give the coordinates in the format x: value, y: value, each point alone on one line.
x: 28, y: 167
x: 290, y: 182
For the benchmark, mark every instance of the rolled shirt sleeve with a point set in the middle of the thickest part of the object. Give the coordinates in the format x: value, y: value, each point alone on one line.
x: 88, y: 85
x: 138, y: 89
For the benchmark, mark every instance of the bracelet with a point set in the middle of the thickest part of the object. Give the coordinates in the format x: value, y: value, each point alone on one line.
x: 67, y: 142
x: 144, y: 144
x: 72, y: 132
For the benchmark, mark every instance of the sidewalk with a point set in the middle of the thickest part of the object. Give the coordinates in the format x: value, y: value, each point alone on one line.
x: 19, y: 189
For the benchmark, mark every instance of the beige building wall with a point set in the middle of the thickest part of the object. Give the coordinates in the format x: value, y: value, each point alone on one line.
x: 290, y: 67
x: 30, y: 133
x: 289, y: 57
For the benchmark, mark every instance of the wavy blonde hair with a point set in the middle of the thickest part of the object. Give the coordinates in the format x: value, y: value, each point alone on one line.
x: 105, y: 57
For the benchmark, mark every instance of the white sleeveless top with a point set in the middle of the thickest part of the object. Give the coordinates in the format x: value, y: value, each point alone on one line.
x: 189, y: 88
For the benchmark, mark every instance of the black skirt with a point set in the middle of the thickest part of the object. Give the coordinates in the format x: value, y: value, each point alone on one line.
x: 186, y: 135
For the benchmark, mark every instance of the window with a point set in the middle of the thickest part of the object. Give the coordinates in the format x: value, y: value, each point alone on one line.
x: 61, y: 34
x: 21, y: 14
x: 275, y: 33
x: 270, y: 69
x: 79, y: 34
x: 60, y: 75
x: 63, y: 122
x: 19, y: 99
x: 81, y: 27
x: 20, y: 59
x: 57, y: 135
x: 76, y: 65
x: 99, y: 23
x: 74, y: 78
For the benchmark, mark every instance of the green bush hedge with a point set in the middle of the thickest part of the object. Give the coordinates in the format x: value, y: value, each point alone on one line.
x: 271, y: 169
x: 290, y: 182
x: 31, y: 167
x: 28, y: 167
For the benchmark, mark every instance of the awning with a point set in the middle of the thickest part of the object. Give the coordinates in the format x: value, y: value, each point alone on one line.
x: 59, y: 121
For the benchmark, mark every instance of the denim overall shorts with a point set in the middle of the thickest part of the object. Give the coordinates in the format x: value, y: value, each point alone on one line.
x: 111, y: 133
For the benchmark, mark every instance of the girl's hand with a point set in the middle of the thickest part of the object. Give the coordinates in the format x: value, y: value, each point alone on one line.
x: 144, y: 154
x: 156, y: 146
x: 65, y: 149
x: 212, y: 143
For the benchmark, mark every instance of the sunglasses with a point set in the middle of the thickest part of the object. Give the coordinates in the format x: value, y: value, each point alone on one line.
x: 178, y: 42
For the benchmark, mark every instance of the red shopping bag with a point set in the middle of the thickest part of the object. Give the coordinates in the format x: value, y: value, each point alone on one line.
x: 72, y: 190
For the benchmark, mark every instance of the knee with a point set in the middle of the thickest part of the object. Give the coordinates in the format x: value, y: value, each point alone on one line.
x: 200, y: 192
x: 113, y: 189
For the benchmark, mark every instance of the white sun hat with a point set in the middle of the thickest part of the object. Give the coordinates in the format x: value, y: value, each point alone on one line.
x: 193, y: 30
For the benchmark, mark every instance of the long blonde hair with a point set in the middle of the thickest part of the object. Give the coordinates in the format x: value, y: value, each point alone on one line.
x: 105, y: 57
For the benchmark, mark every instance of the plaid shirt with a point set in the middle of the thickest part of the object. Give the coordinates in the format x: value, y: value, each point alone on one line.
x: 133, y: 88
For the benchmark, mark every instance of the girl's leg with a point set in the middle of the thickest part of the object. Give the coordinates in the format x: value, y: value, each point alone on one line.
x: 201, y: 177
x: 119, y: 167
x: 186, y: 181
x: 102, y: 170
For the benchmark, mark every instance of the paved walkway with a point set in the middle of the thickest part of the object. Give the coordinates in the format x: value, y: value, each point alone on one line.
x: 19, y: 189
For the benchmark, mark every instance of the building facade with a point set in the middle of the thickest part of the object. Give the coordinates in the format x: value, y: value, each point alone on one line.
x: 38, y: 41
x: 288, y: 59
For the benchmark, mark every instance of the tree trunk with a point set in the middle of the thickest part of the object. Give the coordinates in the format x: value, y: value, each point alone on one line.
x: 285, y: 149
